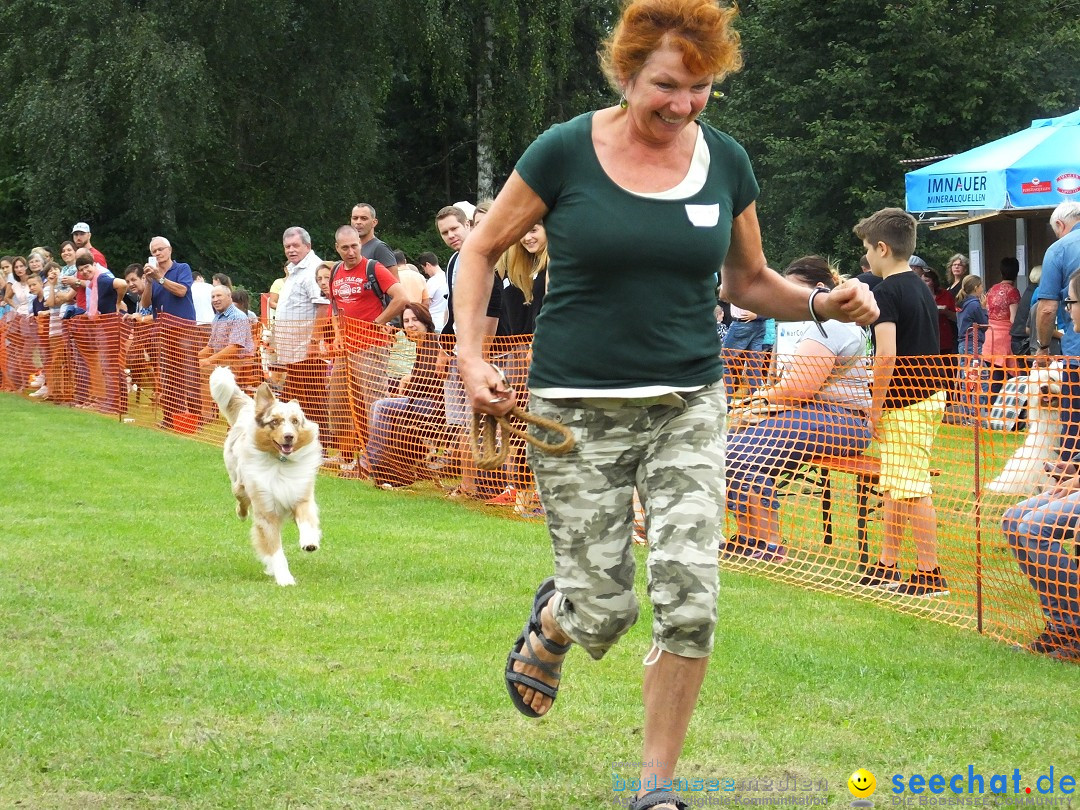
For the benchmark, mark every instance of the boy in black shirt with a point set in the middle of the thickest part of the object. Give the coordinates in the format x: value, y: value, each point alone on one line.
x: 908, y: 402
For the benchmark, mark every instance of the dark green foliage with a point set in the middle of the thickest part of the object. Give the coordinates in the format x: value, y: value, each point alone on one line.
x: 221, y: 124
x: 834, y: 95
x: 483, y: 78
x: 217, y: 125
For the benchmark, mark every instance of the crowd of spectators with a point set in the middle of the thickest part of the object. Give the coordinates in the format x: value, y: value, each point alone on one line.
x: 982, y: 332
x: 76, y: 333
x: 366, y: 344
x: 990, y: 335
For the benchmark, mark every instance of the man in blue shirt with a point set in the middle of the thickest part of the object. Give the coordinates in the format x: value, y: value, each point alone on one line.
x: 1038, y: 527
x: 168, y: 292
x: 170, y: 287
x: 1060, y: 261
x: 230, y: 331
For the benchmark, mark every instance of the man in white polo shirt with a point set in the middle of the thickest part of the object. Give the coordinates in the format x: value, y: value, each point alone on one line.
x: 300, y: 305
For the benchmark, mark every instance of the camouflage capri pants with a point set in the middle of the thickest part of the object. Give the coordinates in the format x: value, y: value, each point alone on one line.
x: 671, y: 449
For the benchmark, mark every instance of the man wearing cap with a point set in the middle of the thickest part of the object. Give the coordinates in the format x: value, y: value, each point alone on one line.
x: 80, y: 235
x: 918, y: 265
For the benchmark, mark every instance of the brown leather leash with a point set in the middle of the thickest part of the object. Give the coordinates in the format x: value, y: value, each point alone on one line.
x: 487, y: 452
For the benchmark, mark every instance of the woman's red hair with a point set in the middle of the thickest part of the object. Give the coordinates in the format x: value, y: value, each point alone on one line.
x: 702, y: 29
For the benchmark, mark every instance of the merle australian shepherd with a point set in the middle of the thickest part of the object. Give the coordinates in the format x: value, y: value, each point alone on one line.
x: 272, y: 454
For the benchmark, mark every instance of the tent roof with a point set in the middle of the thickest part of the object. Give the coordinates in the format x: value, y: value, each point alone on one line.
x: 1035, y: 168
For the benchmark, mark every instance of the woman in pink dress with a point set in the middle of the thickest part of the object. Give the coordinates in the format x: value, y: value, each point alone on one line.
x: 1001, y: 303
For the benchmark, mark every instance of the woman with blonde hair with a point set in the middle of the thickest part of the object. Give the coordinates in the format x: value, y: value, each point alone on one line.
x: 523, y: 268
x: 643, y: 204
x: 971, y: 320
x: 971, y: 315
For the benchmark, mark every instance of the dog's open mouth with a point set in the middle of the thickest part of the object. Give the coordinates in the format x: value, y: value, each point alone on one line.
x: 285, y: 448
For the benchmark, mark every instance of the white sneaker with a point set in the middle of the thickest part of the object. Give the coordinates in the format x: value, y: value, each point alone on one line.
x: 37, y: 381
x: 41, y: 392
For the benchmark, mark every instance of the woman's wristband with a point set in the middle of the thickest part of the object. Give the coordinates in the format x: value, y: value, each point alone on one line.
x: 813, y: 315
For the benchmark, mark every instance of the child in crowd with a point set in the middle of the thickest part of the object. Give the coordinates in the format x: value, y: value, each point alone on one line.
x: 139, y: 349
x: 57, y: 368
x: 908, y: 403
x: 970, y: 315
x: 38, y: 311
x: 37, y: 294
x: 322, y: 277
x: 325, y: 328
x: 971, y: 322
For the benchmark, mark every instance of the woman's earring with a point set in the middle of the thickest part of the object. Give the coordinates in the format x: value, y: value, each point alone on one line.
x: 622, y: 103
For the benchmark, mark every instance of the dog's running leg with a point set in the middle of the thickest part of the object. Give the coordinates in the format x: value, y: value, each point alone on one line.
x: 243, y: 503
x: 266, y: 537
x: 306, y: 515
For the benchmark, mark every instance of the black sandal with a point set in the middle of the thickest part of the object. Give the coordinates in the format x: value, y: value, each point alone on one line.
x: 523, y: 651
x: 657, y: 797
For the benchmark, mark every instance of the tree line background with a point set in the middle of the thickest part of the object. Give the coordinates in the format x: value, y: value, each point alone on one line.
x: 219, y: 123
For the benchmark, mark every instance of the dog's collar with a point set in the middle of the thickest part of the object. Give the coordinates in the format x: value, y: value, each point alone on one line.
x: 282, y: 459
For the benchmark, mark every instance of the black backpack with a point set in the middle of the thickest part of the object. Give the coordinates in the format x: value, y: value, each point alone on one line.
x: 373, y: 283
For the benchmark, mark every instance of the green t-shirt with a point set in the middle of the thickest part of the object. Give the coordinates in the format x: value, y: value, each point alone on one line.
x: 631, y: 280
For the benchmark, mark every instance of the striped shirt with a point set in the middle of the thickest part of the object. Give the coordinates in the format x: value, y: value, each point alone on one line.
x: 297, y: 306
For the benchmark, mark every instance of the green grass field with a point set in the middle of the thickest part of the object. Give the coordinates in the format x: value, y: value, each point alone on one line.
x: 147, y: 662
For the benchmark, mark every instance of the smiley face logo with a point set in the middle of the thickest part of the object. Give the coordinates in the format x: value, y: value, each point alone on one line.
x: 862, y: 784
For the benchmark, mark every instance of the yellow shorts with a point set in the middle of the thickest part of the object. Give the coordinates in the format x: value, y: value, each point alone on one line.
x: 908, y: 437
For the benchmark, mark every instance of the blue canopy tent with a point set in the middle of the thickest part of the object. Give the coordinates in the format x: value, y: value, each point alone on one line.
x: 1003, y: 191
x: 1038, y: 167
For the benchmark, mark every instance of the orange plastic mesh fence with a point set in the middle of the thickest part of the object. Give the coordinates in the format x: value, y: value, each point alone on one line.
x: 819, y: 496
x: 814, y: 497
